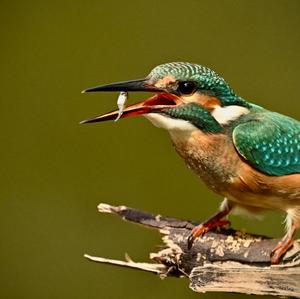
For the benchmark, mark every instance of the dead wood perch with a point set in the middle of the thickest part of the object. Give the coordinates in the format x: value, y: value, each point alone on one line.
x: 223, y: 261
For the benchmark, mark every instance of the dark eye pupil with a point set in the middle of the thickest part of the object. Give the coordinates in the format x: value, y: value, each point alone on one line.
x: 186, y: 87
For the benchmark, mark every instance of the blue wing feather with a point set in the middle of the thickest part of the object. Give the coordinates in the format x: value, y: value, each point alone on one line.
x: 270, y: 142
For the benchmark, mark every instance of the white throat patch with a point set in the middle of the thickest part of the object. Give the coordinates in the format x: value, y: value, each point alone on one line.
x: 179, y: 129
x: 224, y: 115
x: 170, y: 124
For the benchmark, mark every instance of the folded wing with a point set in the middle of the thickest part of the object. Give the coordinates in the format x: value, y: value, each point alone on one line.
x: 270, y: 142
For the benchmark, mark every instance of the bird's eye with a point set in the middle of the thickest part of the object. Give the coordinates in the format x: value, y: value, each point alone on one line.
x: 186, y: 87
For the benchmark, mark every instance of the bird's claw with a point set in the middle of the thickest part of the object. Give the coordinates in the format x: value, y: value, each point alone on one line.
x: 202, y: 229
x: 282, y: 247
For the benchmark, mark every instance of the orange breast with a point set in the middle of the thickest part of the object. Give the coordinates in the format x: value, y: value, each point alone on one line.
x: 214, y: 159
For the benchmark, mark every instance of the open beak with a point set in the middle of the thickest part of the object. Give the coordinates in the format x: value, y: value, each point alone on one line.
x: 161, y: 100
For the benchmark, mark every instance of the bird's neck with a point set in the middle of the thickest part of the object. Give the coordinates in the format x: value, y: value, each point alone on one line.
x: 226, y: 95
x: 203, y: 113
x: 233, y: 99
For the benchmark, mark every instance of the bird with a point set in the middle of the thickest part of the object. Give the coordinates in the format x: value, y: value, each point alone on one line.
x: 243, y: 152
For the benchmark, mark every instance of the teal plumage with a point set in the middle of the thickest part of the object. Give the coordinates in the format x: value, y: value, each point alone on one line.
x: 270, y: 142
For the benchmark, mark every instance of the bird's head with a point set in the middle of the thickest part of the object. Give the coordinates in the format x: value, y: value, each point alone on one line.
x: 186, y: 96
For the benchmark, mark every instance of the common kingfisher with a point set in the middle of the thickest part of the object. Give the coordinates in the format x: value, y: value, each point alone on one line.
x: 243, y: 152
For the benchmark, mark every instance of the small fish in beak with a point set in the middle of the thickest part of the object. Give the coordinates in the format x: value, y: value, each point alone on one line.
x: 121, y: 103
x: 161, y: 100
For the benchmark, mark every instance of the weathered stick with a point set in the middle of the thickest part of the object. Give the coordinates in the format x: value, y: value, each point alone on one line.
x: 223, y: 261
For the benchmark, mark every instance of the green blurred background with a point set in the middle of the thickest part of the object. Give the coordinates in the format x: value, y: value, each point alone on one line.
x: 55, y: 171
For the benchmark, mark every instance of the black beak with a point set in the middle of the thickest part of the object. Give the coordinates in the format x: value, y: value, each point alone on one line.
x: 133, y: 85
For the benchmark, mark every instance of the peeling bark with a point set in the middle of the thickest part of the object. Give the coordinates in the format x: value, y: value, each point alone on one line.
x: 222, y: 261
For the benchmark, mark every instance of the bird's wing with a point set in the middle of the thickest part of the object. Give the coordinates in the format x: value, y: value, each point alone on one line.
x: 270, y: 143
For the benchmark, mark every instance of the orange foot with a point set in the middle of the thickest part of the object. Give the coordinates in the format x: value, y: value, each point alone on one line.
x: 204, y: 228
x: 283, y: 246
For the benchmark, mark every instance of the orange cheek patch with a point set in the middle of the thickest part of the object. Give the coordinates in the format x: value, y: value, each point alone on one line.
x: 206, y: 101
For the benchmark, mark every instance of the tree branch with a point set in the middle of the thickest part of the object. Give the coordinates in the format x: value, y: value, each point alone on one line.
x: 222, y: 261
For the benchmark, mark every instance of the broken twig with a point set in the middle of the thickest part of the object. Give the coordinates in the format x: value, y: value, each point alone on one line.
x: 223, y: 261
